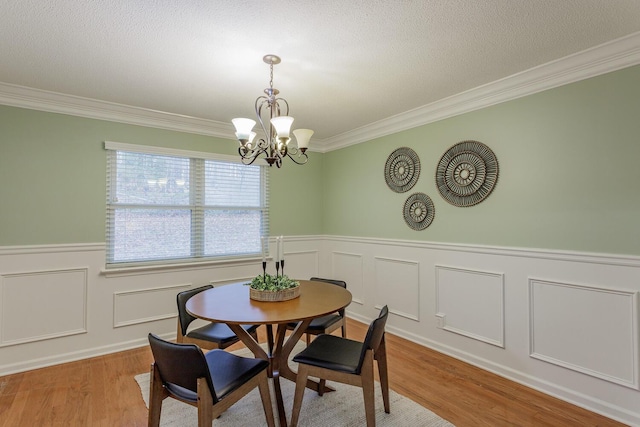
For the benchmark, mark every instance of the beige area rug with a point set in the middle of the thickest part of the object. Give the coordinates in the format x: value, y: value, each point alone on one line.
x: 343, y: 407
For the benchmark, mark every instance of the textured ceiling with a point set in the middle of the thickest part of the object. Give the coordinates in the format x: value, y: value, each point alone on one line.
x: 345, y: 64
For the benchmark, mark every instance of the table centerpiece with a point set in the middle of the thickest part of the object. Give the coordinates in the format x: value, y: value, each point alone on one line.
x: 266, y: 287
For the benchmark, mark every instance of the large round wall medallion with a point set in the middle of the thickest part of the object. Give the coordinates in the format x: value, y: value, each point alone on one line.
x: 467, y: 173
x: 418, y: 211
x: 402, y: 169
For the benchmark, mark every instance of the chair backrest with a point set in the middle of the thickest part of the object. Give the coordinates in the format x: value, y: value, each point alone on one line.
x: 180, y: 365
x: 182, y: 298
x: 341, y: 283
x: 332, y: 281
x: 374, y: 336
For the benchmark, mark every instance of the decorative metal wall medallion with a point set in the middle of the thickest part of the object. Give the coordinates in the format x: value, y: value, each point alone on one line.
x: 467, y: 173
x: 402, y: 169
x: 418, y: 211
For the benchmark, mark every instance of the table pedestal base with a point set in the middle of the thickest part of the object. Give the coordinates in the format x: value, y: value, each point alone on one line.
x: 278, y: 357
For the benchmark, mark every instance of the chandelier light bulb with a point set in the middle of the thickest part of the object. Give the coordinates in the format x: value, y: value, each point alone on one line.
x: 243, y: 127
x: 302, y: 137
x: 282, y: 125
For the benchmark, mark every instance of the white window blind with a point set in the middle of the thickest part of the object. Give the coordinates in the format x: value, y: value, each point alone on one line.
x: 169, y: 205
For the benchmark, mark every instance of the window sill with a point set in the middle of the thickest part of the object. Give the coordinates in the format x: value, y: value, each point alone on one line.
x: 178, y: 266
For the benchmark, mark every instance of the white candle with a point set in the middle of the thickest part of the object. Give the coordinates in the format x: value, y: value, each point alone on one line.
x: 262, y: 249
x: 281, y: 248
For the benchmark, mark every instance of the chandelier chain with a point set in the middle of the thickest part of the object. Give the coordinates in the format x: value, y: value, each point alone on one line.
x: 271, y: 79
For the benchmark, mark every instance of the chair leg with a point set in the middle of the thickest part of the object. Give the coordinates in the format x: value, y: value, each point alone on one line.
x: 179, y: 336
x: 265, y: 395
x: 367, y: 389
x: 308, y: 339
x: 157, y: 393
x: 344, y: 328
x: 321, y: 385
x: 301, y: 383
x: 381, y: 356
x: 205, y: 404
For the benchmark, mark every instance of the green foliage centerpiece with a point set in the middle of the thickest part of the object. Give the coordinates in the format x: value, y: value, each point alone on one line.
x: 266, y: 287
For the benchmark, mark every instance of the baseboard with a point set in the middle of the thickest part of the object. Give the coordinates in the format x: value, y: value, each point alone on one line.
x: 77, y: 355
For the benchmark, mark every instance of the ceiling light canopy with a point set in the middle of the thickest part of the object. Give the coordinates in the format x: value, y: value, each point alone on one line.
x: 275, y: 145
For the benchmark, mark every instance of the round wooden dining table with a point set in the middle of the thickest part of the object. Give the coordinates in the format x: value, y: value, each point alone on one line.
x: 231, y: 304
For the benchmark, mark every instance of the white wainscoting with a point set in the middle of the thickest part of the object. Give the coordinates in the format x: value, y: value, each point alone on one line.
x: 299, y: 263
x: 41, y: 305
x: 471, y: 303
x: 397, y: 284
x: 560, y: 322
x: 348, y: 267
x: 588, y: 329
x: 145, y: 305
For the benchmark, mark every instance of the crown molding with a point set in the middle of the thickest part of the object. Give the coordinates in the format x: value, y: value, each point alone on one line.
x: 54, y: 102
x: 602, y: 59
x: 615, y: 55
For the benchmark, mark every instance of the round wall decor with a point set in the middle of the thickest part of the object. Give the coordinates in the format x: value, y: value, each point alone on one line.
x: 418, y: 211
x: 402, y: 169
x: 467, y: 173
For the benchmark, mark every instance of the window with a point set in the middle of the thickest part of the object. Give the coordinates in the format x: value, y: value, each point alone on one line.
x: 172, y: 205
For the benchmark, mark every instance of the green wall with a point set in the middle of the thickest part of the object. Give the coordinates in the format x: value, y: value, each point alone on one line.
x: 569, y: 174
x: 295, y: 197
x: 53, y: 171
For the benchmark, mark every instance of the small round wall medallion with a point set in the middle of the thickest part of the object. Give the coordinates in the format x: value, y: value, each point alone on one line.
x: 467, y: 173
x: 402, y: 169
x: 418, y: 211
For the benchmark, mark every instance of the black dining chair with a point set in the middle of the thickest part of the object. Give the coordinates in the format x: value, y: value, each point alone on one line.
x: 211, y: 382
x: 210, y: 336
x: 343, y: 360
x: 325, y: 324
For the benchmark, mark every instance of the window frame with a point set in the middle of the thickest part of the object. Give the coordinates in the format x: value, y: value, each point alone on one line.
x: 196, y: 206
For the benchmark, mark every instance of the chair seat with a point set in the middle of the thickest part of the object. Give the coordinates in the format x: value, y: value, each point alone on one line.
x: 218, y: 332
x: 232, y: 371
x: 319, y: 323
x: 228, y: 372
x: 332, y: 352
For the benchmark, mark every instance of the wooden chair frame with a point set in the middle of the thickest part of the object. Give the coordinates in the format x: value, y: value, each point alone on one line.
x: 206, y: 344
x: 207, y: 411
x: 364, y: 380
x: 199, y: 376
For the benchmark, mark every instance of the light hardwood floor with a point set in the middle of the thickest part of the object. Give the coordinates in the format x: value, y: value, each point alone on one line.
x: 102, y: 392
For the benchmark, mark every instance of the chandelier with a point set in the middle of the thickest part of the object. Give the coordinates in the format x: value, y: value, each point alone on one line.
x: 275, y: 145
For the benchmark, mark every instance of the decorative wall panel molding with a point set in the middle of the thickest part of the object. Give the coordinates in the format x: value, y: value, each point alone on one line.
x: 298, y: 264
x: 397, y: 284
x: 349, y: 267
x: 471, y: 303
x: 587, y: 329
x: 145, y: 305
x: 40, y: 305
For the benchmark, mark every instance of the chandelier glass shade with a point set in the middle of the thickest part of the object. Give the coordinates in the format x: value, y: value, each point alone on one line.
x: 273, y: 115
